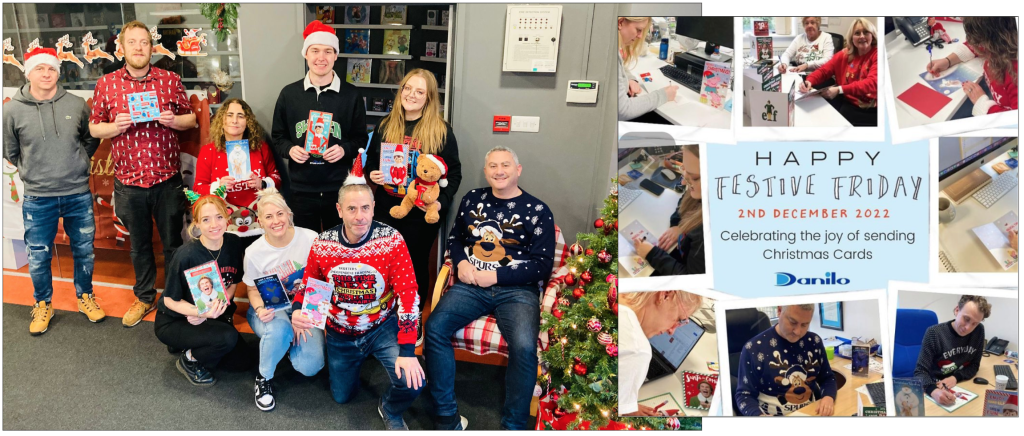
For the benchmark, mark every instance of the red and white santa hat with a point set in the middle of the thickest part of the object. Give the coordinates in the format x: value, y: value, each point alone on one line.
x: 1011, y: 404
x: 41, y: 56
x: 355, y: 177
x: 319, y: 33
x: 444, y: 169
x: 398, y: 151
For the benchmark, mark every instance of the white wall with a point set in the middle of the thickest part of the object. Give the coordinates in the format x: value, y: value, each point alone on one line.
x: 1003, y: 322
x: 837, y: 25
x: 860, y: 318
x: 659, y: 10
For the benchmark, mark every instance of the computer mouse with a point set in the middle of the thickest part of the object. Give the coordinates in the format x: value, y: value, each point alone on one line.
x: 668, y: 174
x: 980, y: 381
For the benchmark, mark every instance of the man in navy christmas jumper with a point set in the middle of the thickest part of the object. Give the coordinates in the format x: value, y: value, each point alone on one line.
x: 502, y: 244
x: 785, y: 368
x: 951, y: 351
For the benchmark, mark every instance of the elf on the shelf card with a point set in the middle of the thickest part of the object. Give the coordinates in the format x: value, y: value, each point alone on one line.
x: 143, y: 106
x: 316, y: 304
x: 698, y: 389
x: 318, y: 132
x: 206, y: 285
x: 394, y: 163
x: 238, y: 159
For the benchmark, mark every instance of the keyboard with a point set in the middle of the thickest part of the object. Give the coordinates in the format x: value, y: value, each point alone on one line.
x: 627, y: 195
x: 1000, y: 185
x: 682, y: 77
x: 1005, y: 370
x: 877, y: 393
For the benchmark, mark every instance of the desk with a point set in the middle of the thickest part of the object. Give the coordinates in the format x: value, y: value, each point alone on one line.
x: 813, y: 111
x: 977, y: 405
x: 960, y: 243
x: 846, y: 398
x: 650, y: 210
x: 907, y: 62
x: 705, y: 350
x: 686, y: 110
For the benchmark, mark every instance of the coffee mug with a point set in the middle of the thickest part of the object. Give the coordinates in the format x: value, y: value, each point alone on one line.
x: 1001, y: 381
x: 947, y: 211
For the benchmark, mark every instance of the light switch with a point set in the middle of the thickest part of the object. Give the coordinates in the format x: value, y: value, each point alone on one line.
x: 525, y: 124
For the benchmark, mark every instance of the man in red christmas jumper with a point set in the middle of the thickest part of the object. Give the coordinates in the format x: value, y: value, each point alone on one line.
x: 375, y: 306
x: 148, y: 185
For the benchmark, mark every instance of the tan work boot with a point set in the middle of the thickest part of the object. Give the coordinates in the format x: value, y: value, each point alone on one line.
x: 136, y: 312
x: 91, y: 308
x: 42, y: 312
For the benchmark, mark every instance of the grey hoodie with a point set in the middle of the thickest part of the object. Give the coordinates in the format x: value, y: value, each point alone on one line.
x: 49, y: 142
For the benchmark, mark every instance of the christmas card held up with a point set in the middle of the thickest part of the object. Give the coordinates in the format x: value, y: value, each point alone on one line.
x: 394, y: 163
x: 206, y: 285
x: 238, y: 159
x: 272, y: 292
x: 143, y: 106
x: 698, y: 389
x: 316, y: 303
x: 291, y: 272
x: 318, y: 131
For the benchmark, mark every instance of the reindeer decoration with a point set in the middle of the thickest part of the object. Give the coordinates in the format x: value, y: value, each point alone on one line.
x: 190, y: 44
x: 491, y: 233
x: 795, y: 377
x: 9, y: 58
x: 92, y: 54
x: 158, y: 47
x: 65, y: 43
x: 33, y: 45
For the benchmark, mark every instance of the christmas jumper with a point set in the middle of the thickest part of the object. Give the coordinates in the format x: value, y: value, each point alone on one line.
x: 514, y: 237
x: 212, y: 164
x: 813, y: 53
x: 147, y: 153
x: 1003, y: 89
x: 372, y: 279
x: 858, y: 78
x: 348, y: 130
x: 778, y: 377
x: 449, y: 153
x: 945, y: 353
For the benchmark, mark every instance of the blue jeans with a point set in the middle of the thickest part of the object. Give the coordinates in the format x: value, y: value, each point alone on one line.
x: 41, y: 216
x: 345, y: 357
x: 276, y: 339
x: 517, y: 309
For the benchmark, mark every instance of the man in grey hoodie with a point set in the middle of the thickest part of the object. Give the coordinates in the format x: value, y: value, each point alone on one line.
x: 46, y: 135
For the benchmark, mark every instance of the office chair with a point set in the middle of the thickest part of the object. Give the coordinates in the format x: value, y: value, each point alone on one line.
x: 740, y: 326
x: 837, y: 44
x: 910, y: 327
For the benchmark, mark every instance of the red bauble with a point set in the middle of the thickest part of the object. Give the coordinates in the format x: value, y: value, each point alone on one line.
x: 599, y: 223
x: 612, y: 350
x: 610, y: 278
x: 575, y: 249
x: 615, y: 308
x: 616, y: 224
x: 586, y: 277
x: 594, y: 325
x: 604, y: 256
x: 551, y: 331
x: 578, y: 293
x: 580, y: 368
x: 590, y: 252
x: 570, y: 279
x: 559, y: 314
x: 555, y: 396
x: 613, y: 294
x: 608, y: 230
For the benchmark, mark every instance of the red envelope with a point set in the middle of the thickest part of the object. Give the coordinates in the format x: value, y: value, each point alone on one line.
x: 926, y: 100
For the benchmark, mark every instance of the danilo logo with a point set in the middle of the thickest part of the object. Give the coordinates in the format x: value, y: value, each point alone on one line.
x: 787, y: 279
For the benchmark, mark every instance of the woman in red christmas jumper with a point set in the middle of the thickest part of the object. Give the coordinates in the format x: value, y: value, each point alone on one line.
x: 235, y: 121
x: 417, y: 124
x: 993, y: 39
x: 855, y: 69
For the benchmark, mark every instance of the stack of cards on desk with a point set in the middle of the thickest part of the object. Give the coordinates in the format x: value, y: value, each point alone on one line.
x: 143, y: 106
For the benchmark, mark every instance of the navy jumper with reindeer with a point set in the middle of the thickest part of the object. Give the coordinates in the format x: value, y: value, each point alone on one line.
x: 514, y: 237
x: 778, y: 377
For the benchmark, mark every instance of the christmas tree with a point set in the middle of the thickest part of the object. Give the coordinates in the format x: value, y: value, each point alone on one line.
x: 578, y: 369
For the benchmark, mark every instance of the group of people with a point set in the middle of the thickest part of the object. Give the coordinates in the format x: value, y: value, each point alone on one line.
x: 334, y: 227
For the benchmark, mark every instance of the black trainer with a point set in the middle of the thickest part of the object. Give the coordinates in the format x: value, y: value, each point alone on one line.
x: 194, y: 371
x: 264, y: 394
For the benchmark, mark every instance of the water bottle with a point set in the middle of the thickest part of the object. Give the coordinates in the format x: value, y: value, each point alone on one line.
x: 663, y: 53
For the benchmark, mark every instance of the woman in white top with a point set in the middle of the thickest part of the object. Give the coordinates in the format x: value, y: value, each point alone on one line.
x: 283, y: 250
x: 644, y: 315
x: 631, y: 103
x: 810, y: 50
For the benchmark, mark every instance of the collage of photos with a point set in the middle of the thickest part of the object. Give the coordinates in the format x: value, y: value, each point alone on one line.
x: 793, y: 344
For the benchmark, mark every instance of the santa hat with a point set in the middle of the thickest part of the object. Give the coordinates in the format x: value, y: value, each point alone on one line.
x: 488, y: 226
x: 355, y: 177
x: 444, y: 169
x: 41, y: 56
x: 319, y: 33
x: 398, y: 150
x: 1011, y: 404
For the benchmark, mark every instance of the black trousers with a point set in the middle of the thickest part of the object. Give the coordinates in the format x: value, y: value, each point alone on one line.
x: 419, y: 236
x: 138, y: 208
x: 857, y: 116
x: 316, y: 211
x: 210, y: 341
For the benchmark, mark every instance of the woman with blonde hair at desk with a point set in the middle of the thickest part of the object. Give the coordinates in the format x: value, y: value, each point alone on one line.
x: 642, y: 316
x: 686, y: 227
x: 808, y: 51
x: 631, y: 104
x: 993, y: 39
x: 855, y: 69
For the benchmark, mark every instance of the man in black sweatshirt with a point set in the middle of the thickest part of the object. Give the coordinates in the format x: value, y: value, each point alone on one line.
x: 46, y: 135
x: 315, y: 179
x: 951, y: 351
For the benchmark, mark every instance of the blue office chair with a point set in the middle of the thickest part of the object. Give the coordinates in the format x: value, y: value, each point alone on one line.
x: 910, y: 327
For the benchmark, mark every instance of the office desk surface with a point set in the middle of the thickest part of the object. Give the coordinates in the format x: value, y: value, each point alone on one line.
x: 962, y: 245
x: 812, y: 111
x: 705, y: 350
x: 977, y: 405
x: 653, y: 211
x: 907, y: 62
x: 846, y: 398
x: 686, y: 110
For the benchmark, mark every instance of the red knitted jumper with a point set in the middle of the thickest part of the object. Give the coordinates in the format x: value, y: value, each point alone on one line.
x: 859, y: 77
x: 371, y: 278
x: 1003, y: 89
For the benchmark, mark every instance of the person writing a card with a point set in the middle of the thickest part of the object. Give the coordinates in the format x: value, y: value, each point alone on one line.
x: 855, y: 69
x: 994, y: 40
x: 632, y: 31
x: 951, y: 351
x: 234, y: 121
